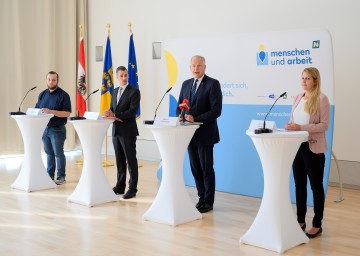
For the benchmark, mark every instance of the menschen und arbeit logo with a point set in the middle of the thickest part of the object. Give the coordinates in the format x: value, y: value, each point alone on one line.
x: 262, y: 56
x: 290, y: 56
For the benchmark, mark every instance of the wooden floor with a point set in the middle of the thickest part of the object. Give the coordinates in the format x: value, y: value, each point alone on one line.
x: 45, y: 223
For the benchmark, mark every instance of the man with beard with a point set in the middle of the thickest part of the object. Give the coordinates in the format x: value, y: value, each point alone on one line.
x: 56, y: 101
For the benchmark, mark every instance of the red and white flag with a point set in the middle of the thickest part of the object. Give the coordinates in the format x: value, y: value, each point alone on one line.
x: 81, y: 82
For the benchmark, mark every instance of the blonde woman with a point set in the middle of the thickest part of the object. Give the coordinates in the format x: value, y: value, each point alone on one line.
x: 311, y: 113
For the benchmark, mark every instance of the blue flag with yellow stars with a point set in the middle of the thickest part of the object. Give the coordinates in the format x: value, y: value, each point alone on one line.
x: 132, y: 69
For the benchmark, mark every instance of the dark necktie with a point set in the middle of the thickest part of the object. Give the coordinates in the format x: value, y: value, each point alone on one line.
x: 193, y: 89
x: 119, y: 95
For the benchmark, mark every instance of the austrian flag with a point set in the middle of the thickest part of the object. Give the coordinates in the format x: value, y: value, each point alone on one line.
x: 81, y: 83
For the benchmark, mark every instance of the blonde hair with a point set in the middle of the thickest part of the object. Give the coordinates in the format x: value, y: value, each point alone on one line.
x: 312, y: 104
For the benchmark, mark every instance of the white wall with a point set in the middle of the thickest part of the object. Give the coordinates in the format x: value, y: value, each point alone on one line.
x: 159, y: 20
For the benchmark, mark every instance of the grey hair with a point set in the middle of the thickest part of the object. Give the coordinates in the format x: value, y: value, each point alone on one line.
x: 198, y: 57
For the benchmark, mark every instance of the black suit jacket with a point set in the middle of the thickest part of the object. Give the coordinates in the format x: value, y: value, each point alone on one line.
x: 126, y: 111
x: 205, y: 107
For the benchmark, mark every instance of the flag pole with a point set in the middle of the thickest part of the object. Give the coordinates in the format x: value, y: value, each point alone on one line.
x: 81, y: 161
x: 131, y: 33
x: 105, y: 162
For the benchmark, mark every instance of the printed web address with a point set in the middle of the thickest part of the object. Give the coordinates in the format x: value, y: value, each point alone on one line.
x: 275, y: 114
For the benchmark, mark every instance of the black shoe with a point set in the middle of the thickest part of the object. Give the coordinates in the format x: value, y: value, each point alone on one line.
x: 118, y: 191
x: 303, y: 226
x: 205, y: 208
x: 199, y: 205
x: 314, y: 235
x: 129, y: 194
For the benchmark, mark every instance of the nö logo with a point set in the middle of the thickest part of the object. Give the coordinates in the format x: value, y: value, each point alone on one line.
x: 316, y: 44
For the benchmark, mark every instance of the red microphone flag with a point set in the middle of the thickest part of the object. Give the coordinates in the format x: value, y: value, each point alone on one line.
x: 185, y: 105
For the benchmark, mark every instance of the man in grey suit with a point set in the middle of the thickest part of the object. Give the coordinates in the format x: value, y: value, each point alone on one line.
x: 125, y: 102
x: 205, y: 99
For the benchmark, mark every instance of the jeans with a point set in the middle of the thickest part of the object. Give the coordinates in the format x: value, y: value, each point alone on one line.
x: 53, y: 140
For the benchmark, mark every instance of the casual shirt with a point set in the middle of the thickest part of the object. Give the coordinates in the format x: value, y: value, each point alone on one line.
x: 55, y: 100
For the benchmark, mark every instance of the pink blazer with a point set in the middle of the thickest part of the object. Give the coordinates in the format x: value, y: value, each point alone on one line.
x: 318, y: 124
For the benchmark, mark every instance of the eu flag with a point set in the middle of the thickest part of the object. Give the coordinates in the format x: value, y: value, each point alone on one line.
x: 107, y: 86
x: 132, y: 68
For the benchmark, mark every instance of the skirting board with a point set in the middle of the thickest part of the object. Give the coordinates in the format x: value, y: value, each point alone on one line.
x: 350, y: 173
x: 350, y: 170
x: 146, y: 149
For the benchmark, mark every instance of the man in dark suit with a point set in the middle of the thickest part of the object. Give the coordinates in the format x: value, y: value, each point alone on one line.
x: 125, y: 102
x: 205, y: 100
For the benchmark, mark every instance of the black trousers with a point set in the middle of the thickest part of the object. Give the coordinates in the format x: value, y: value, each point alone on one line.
x: 125, y: 153
x: 202, y: 168
x: 309, y: 164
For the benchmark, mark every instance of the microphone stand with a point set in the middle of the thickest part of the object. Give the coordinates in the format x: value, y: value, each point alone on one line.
x: 81, y: 117
x: 152, y: 121
x: 19, y: 112
x: 182, y: 115
x: 264, y: 129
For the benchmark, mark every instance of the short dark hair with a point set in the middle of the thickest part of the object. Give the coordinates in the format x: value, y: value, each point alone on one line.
x: 53, y: 73
x: 122, y: 68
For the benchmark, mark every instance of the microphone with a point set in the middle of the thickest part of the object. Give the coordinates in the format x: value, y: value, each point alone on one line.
x: 152, y: 121
x: 183, y: 107
x: 18, y: 112
x: 81, y: 117
x: 266, y: 130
